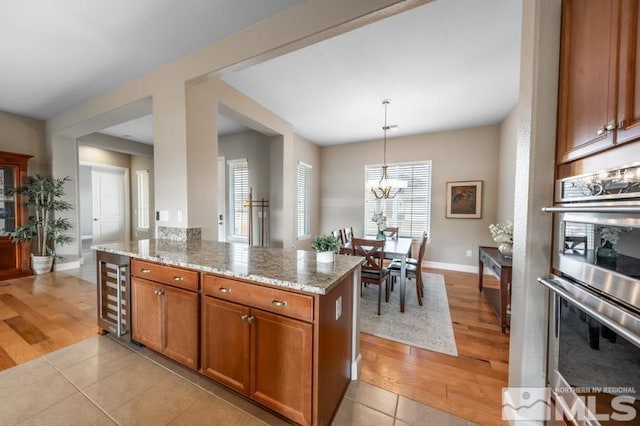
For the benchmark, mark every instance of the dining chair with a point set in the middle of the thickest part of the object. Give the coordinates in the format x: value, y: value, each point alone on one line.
x: 347, y: 234
x: 391, y: 232
x: 338, y: 235
x: 373, y: 270
x: 414, y: 270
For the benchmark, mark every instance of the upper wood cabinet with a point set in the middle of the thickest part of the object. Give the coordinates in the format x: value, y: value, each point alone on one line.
x: 599, y: 97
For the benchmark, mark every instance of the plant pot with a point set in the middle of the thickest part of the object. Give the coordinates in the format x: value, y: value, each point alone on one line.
x: 324, y: 257
x: 506, y: 249
x: 607, y: 256
x: 41, y: 264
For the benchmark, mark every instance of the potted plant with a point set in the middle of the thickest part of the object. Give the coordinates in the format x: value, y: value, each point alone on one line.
x: 43, y: 196
x: 325, y: 246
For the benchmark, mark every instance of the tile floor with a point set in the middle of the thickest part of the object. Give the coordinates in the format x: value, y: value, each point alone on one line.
x: 100, y: 381
x: 103, y: 381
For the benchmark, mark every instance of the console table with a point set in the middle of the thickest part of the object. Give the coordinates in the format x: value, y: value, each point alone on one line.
x: 499, y: 299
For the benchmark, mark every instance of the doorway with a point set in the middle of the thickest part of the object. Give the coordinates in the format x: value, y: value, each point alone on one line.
x: 104, y: 204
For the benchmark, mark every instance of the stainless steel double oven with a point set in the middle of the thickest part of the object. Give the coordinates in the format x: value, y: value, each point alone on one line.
x: 594, y: 333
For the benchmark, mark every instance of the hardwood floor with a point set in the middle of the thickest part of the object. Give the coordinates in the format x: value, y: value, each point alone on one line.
x: 469, y: 385
x: 40, y: 314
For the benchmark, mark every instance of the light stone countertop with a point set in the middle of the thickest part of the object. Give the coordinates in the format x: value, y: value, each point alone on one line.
x: 294, y: 269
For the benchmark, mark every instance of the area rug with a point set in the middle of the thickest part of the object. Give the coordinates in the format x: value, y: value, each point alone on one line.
x: 427, y: 326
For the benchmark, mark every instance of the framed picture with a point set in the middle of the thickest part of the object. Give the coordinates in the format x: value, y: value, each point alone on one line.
x: 464, y: 200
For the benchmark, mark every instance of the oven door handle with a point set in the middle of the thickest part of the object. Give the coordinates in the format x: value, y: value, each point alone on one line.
x: 591, y: 209
x: 581, y: 299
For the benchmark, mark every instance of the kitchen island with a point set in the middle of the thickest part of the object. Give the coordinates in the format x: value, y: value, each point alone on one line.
x: 271, y: 324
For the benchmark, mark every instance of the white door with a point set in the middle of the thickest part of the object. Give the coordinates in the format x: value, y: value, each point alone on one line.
x: 222, y: 201
x: 109, y: 213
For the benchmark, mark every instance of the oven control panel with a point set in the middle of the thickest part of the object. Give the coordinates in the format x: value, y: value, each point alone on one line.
x: 620, y: 183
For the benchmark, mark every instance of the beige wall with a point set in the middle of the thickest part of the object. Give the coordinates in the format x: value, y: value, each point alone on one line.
x: 92, y: 155
x: 507, y: 165
x: 461, y: 155
x: 203, y: 99
x: 25, y: 135
x: 256, y: 149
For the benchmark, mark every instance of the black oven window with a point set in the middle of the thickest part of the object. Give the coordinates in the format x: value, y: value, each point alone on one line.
x: 591, y: 355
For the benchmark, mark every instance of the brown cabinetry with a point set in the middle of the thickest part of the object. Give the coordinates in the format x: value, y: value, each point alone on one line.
x: 14, y: 258
x: 165, y: 316
x: 599, y: 97
x: 260, y: 354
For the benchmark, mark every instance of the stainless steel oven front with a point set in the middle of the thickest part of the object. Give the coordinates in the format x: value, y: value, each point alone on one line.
x: 594, y: 333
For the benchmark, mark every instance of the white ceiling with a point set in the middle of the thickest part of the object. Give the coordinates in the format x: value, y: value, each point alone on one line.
x: 59, y: 54
x: 445, y: 65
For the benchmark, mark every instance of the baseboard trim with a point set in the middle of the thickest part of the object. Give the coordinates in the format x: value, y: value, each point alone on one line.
x: 451, y: 266
x: 75, y: 264
x: 355, y: 367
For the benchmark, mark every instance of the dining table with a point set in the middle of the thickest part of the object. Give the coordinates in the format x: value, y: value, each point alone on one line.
x: 394, y: 248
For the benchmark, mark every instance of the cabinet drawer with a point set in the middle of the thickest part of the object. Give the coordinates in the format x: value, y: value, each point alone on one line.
x: 171, y: 275
x: 490, y: 263
x: 269, y: 299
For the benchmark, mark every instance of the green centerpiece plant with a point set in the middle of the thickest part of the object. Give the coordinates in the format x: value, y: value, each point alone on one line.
x: 44, y: 197
x: 325, y: 246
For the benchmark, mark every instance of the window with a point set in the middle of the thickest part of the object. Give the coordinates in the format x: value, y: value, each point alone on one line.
x: 142, y: 179
x: 304, y: 178
x: 410, y: 210
x: 238, y: 195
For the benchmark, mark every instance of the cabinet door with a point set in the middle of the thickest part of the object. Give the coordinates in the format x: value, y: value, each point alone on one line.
x: 146, y: 305
x: 225, y: 343
x: 281, y: 363
x: 180, y: 325
x: 587, y: 102
x: 629, y: 77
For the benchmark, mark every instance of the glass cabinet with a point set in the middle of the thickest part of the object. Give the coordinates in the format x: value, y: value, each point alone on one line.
x: 14, y: 258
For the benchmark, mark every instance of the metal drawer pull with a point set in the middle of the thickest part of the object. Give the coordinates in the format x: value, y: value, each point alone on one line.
x: 178, y: 278
x: 279, y: 303
x: 159, y: 292
x: 251, y: 319
x: 244, y: 317
x: 146, y: 271
x: 224, y: 290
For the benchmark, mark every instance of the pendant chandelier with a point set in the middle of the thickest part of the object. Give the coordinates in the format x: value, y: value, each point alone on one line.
x: 386, y: 188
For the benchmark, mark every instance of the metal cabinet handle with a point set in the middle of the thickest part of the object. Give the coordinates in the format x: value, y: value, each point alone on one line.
x: 279, y: 303
x: 146, y: 271
x: 251, y: 319
x: 224, y: 290
x: 601, y: 130
x: 611, y: 126
x: 178, y: 278
x: 159, y: 292
x: 244, y: 317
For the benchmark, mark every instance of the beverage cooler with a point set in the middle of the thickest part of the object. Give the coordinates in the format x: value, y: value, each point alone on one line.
x: 113, y: 294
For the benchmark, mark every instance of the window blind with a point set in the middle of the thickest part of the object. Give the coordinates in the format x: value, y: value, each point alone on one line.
x: 410, y: 210
x: 304, y: 177
x: 239, y: 193
x: 142, y: 177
